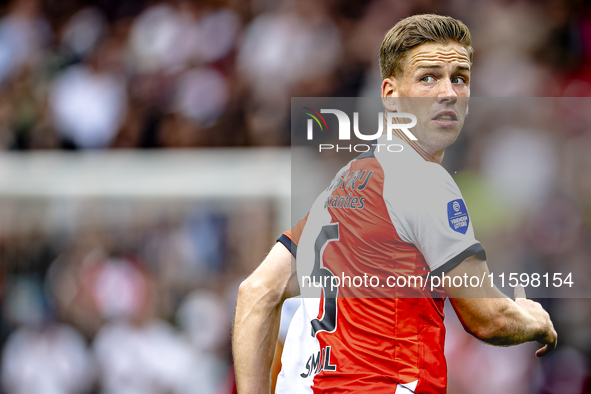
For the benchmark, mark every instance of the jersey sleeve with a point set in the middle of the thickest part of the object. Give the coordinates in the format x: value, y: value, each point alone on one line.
x: 433, y: 216
x: 291, y: 238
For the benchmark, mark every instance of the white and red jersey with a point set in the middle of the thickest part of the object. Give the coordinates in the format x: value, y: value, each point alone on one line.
x: 384, y: 214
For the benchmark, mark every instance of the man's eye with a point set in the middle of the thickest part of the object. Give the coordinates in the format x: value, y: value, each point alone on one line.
x: 458, y: 80
x: 427, y: 78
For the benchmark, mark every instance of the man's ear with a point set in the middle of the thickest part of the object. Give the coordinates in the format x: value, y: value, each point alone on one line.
x: 390, y: 94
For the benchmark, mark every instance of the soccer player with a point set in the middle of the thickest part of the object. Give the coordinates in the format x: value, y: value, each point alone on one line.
x: 401, y: 213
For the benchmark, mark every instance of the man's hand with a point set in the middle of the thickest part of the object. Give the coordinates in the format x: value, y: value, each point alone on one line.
x: 547, y: 336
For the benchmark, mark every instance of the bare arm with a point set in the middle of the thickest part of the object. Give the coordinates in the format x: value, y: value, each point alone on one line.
x: 489, y: 315
x: 256, y: 323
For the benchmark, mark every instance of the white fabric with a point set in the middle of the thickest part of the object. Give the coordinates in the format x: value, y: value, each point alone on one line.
x: 290, y: 307
x: 406, y: 388
x: 298, y: 345
x: 417, y: 193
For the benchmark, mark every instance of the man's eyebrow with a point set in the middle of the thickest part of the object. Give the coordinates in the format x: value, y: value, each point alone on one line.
x: 428, y: 65
x: 434, y: 65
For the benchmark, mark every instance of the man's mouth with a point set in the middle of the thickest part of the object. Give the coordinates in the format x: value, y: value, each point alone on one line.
x: 445, y: 117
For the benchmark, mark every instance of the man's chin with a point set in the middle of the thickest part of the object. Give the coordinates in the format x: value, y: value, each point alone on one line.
x: 441, y: 137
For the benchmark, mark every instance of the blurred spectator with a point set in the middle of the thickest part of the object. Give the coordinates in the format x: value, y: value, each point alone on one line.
x: 48, y: 359
x: 157, y: 39
x: 136, y: 353
x: 88, y: 101
x: 24, y: 33
x: 202, y: 316
x: 120, y: 290
x: 510, y: 33
x: 146, y: 358
x: 284, y: 48
x: 202, y: 95
x: 41, y: 356
x: 293, y: 51
x: 83, y: 31
x: 167, y: 38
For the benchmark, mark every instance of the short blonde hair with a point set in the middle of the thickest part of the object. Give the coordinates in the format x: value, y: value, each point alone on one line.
x: 414, y: 31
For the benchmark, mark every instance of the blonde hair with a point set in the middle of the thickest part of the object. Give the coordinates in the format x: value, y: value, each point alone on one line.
x: 414, y: 31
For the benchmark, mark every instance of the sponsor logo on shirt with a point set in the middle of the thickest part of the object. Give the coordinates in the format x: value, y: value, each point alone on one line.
x: 457, y: 215
x: 350, y: 180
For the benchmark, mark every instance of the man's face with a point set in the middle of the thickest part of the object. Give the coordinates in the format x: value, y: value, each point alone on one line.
x: 436, y: 78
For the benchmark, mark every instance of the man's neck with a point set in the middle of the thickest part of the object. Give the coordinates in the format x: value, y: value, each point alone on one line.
x: 435, y: 157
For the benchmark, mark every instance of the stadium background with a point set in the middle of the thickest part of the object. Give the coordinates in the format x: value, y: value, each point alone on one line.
x: 145, y: 173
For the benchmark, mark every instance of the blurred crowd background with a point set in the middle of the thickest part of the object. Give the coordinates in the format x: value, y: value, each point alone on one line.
x: 157, y: 74
x: 127, y: 296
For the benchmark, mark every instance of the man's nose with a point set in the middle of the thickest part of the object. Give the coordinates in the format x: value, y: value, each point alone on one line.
x: 447, y: 92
